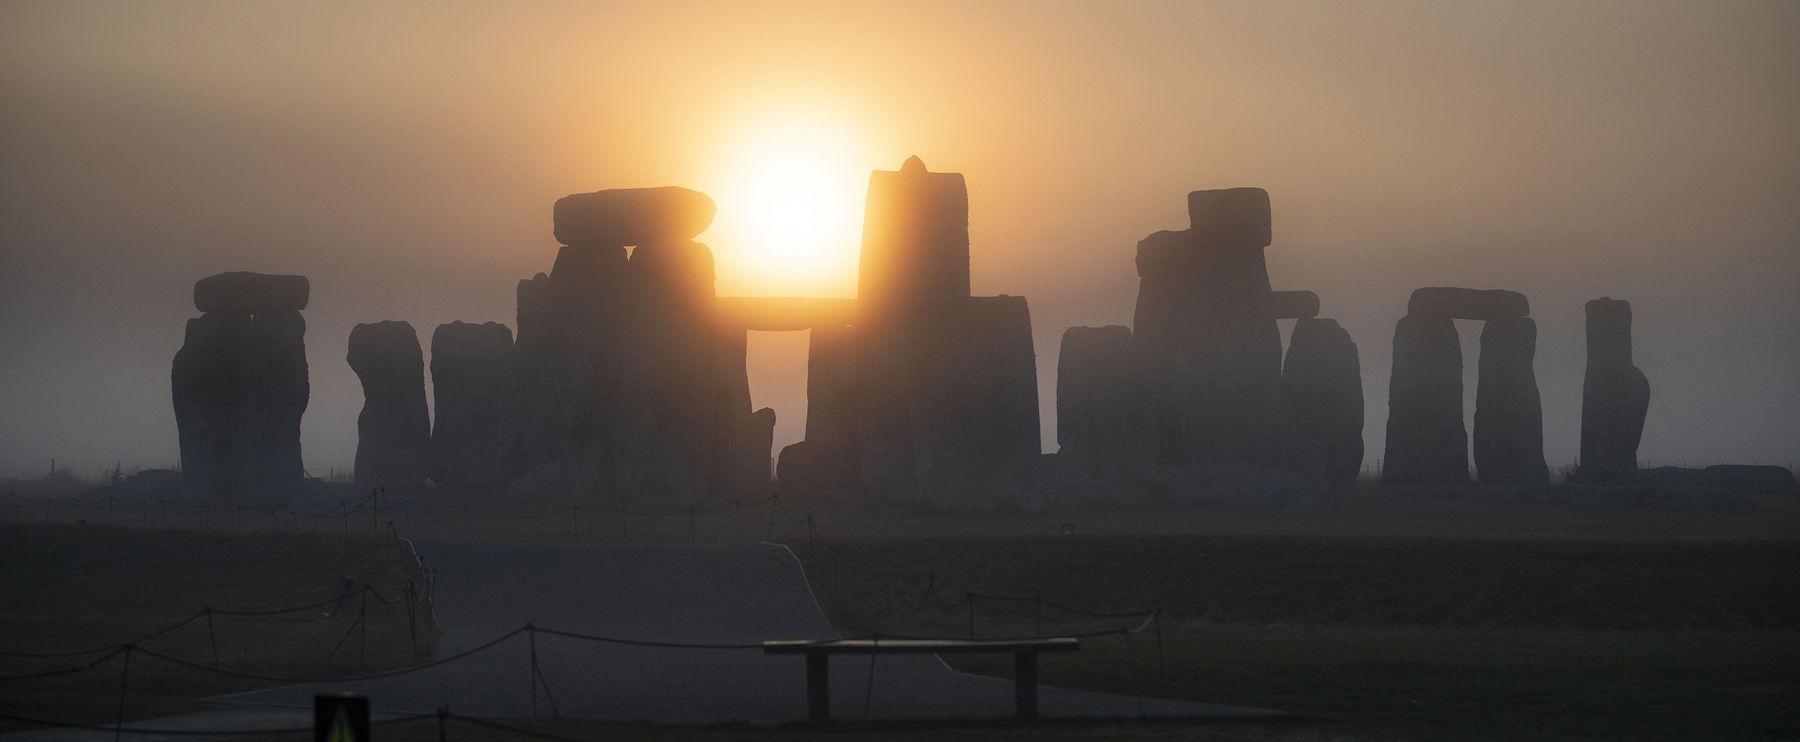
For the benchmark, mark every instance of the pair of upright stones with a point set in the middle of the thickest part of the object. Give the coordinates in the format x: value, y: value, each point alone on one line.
x: 1202, y: 382
x: 930, y: 395
x: 239, y: 385
x: 1426, y: 441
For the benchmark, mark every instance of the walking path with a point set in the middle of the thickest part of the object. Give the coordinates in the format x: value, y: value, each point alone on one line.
x: 714, y: 595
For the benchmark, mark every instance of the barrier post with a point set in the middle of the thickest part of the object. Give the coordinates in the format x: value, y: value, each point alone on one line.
x: 442, y: 712
x: 212, y: 634
x: 362, y: 617
x: 531, y: 677
x: 412, y: 625
x: 124, y: 677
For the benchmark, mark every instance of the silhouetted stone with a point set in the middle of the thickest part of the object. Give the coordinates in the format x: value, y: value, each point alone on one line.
x: 978, y: 406
x: 573, y: 337
x: 1322, y: 377
x: 204, y: 381
x: 674, y: 375
x: 814, y: 472
x: 632, y: 216
x: 1458, y: 303
x: 915, y: 239
x: 1207, y: 337
x: 272, y: 394
x: 755, y: 435
x: 1509, y: 417
x: 475, y: 440
x: 1102, y: 427
x: 1426, y: 441
x: 1230, y: 217
x: 1615, y: 396
x: 1294, y: 304
x: 242, y: 292
x: 393, y: 443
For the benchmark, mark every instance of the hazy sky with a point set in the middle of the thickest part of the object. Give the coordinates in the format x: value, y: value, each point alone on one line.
x: 405, y: 157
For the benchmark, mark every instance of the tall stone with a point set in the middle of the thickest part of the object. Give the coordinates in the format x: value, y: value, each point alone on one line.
x: 1102, y: 426
x: 675, y: 378
x: 475, y: 440
x: 205, y: 388
x: 1615, y: 396
x: 915, y: 239
x: 975, y: 419
x: 1426, y: 441
x: 393, y: 443
x: 1322, y: 376
x: 829, y: 459
x: 1207, y: 331
x: 573, y: 328
x: 1509, y: 417
x: 240, y: 388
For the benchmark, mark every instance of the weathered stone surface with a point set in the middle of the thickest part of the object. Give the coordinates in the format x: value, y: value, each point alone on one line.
x: 393, y: 443
x: 1459, y: 303
x: 1322, y: 377
x: 573, y: 336
x: 1509, y: 417
x: 1426, y: 441
x: 475, y: 440
x: 1615, y: 396
x: 243, y: 292
x: 947, y: 406
x: 204, y: 384
x: 1230, y: 217
x: 1103, y: 427
x: 632, y: 216
x: 674, y: 378
x: 915, y: 239
x: 264, y: 422
x: 1294, y: 304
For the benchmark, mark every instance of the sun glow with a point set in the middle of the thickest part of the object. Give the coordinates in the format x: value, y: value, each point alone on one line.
x: 790, y: 211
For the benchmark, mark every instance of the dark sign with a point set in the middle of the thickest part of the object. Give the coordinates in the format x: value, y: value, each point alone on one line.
x: 340, y: 718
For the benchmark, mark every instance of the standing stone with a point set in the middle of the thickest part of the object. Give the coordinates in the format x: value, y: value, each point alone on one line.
x: 1509, y: 417
x: 1159, y: 337
x: 1615, y: 396
x: 674, y: 380
x: 240, y: 388
x: 975, y: 414
x: 204, y: 380
x: 393, y: 444
x: 475, y: 440
x: 272, y: 394
x: 573, y: 328
x: 1426, y: 441
x: 915, y: 239
x: 829, y: 459
x: 1322, y: 376
x: 1102, y: 429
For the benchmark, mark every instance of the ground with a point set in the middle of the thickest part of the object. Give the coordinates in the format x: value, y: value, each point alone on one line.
x: 71, y: 588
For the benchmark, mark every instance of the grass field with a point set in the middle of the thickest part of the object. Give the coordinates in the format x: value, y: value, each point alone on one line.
x: 70, y: 588
x: 1380, y: 638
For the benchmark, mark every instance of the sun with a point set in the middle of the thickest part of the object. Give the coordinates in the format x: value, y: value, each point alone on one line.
x: 790, y: 197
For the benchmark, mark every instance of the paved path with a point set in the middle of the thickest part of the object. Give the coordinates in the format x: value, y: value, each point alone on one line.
x: 714, y: 595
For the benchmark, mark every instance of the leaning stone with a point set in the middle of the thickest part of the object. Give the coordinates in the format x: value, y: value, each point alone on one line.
x: 393, y: 441
x: 1294, y: 304
x: 1509, y: 417
x: 1459, y: 303
x: 632, y: 216
x: 1426, y: 441
x: 250, y: 293
x: 1230, y: 217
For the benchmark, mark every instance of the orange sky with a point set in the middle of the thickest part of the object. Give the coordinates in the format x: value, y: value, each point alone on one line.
x: 405, y: 156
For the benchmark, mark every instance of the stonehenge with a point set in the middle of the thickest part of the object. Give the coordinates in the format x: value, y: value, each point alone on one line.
x: 1102, y: 425
x: 1426, y: 440
x: 632, y: 216
x: 1322, y: 376
x: 393, y: 432
x: 475, y: 438
x: 1615, y: 396
x: 239, y: 386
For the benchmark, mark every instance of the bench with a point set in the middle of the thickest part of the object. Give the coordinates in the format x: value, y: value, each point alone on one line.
x: 818, y: 654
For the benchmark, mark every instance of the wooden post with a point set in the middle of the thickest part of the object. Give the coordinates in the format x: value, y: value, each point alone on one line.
x: 818, y: 686
x: 1025, y: 688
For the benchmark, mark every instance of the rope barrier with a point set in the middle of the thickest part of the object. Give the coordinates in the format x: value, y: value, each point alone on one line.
x: 189, y: 732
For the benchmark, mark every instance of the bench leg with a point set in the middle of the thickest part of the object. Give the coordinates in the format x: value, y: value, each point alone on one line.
x: 1025, y: 688
x: 818, y: 686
